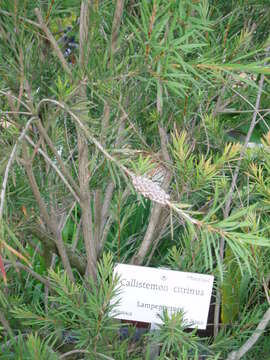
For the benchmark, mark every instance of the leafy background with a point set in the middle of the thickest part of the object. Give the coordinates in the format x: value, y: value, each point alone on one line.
x: 175, y: 91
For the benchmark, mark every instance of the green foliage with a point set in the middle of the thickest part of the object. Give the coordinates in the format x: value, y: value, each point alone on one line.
x: 78, y: 314
x: 179, y: 344
x: 30, y: 347
x: 174, y: 95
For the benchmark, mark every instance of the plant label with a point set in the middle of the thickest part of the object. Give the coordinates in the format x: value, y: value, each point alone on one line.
x: 145, y: 292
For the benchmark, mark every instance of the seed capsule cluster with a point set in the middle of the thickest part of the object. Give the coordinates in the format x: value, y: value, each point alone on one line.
x: 150, y: 189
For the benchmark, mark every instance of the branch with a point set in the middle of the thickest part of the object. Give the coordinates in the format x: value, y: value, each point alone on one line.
x: 157, y: 209
x: 83, y: 157
x: 53, y: 42
x: 160, y: 232
x: 116, y: 23
x: 97, y: 212
x: 101, y: 218
x: 40, y: 278
x: 237, y: 355
x: 87, y: 133
x: 9, y: 95
x: 20, y: 18
x: 10, y: 162
x: 50, y: 221
x: 77, y: 260
x: 106, y: 204
x: 84, y: 32
x: 110, y: 188
x: 109, y: 221
x: 105, y: 121
x: 55, y: 152
x: 164, y: 143
x: 50, y: 162
x: 72, y: 352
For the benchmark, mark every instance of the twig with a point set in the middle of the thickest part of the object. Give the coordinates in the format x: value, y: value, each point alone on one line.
x: 266, y: 290
x: 55, y: 152
x: 237, y: 355
x: 77, y: 236
x: 21, y: 18
x: 230, y: 194
x: 106, y: 204
x: 49, y: 11
x: 69, y: 148
x: 51, y: 163
x: 105, y: 121
x: 110, y: 188
x: 97, y: 214
x: 87, y: 132
x: 10, y: 161
x: 109, y: 221
x: 101, y: 210
x: 253, y: 107
x: 16, y: 112
x: 77, y: 260
x: 53, y: 42
x: 49, y: 220
x: 164, y: 144
x: 40, y: 278
x: 22, y: 77
x: 8, y: 94
x: 46, y: 291
x: 72, y: 352
x: 234, y: 111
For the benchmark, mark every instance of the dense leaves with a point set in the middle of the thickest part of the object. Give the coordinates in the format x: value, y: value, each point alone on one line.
x: 94, y: 96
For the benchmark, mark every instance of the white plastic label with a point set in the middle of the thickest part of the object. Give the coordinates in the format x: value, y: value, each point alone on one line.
x: 146, y: 291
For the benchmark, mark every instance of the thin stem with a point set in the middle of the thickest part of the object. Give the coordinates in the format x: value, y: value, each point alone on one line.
x: 55, y: 152
x: 119, y: 229
x: 237, y: 355
x: 51, y: 163
x: 9, y: 164
x: 53, y: 42
x: 86, y: 131
x: 40, y: 278
x: 21, y: 18
x: 50, y: 221
x: 73, y: 352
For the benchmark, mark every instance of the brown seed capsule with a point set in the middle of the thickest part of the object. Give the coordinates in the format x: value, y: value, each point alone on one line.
x: 150, y: 189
